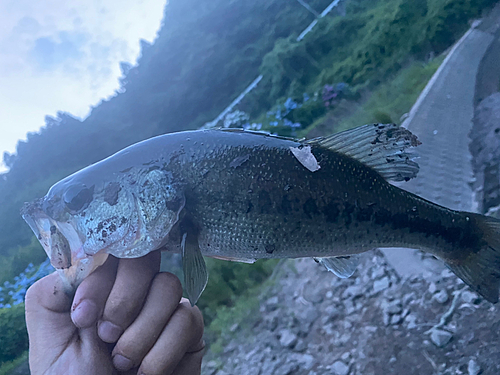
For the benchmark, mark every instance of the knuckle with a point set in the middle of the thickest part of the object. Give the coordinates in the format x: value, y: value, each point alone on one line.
x: 171, y: 281
x: 129, y: 350
x: 119, y: 309
x: 191, y: 317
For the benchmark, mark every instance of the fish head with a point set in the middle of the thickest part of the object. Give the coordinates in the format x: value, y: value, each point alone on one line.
x: 83, y: 218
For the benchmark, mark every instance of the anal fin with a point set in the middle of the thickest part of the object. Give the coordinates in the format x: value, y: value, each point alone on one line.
x: 193, y: 265
x: 343, y: 266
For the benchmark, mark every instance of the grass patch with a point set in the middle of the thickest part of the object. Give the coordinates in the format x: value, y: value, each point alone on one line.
x: 243, y: 312
x: 388, y: 102
x: 7, y: 367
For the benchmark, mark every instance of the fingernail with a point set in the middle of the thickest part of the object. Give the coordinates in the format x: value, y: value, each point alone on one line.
x: 109, y: 332
x: 122, y: 363
x: 84, y: 314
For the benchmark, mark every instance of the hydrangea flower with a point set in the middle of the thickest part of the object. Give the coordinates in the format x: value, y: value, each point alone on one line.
x: 13, y: 293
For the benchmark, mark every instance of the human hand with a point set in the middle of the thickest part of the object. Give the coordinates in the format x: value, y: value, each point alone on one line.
x: 125, y: 318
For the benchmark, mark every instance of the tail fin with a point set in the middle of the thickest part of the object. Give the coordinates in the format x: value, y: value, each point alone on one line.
x: 480, y: 269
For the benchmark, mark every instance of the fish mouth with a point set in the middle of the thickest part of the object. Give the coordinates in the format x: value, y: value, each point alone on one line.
x: 62, y: 244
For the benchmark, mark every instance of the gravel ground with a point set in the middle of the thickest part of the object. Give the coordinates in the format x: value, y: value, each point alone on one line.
x: 312, y: 322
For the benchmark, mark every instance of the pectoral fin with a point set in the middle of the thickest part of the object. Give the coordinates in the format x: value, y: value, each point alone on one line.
x: 343, y: 267
x: 193, y: 265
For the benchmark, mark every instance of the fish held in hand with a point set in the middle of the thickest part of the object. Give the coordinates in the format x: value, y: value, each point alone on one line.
x: 242, y: 196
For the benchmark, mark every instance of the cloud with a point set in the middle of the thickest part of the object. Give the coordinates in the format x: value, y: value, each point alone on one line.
x: 60, y: 55
x: 48, y: 52
x: 26, y: 25
x: 44, y: 52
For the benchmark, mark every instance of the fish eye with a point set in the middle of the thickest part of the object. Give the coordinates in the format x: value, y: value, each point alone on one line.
x: 78, y: 197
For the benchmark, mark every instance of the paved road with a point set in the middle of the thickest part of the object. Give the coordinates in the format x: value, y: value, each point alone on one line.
x: 442, y: 120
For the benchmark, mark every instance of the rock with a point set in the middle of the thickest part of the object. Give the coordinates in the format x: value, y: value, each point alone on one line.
x: 325, y: 319
x: 393, y: 307
x: 349, y: 306
x: 346, y: 356
x: 344, y: 339
x: 353, y: 291
x: 441, y: 296
x: 331, y: 312
x: 409, y: 297
x: 469, y: 297
x: 288, y: 339
x: 312, y: 293
x: 231, y: 346
x: 329, y: 294
x: 234, y: 327
x: 272, y: 303
x: 307, y: 316
x: 440, y: 338
x: 396, y: 319
x: 251, y: 355
x: 386, y: 319
x: 268, y: 367
x: 329, y: 330
x: 380, y: 285
x: 371, y: 329
x: 411, y: 320
x: 432, y: 288
x: 446, y: 273
x: 271, y: 320
x: 286, y: 369
x: 340, y: 368
x: 210, y: 368
x: 306, y: 361
x: 377, y: 273
x: 473, y: 368
x: 300, y: 346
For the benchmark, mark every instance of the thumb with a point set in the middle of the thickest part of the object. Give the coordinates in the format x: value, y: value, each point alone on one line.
x: 48, y: 320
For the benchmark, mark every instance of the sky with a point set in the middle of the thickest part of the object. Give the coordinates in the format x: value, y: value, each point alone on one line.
x: 60, y: 55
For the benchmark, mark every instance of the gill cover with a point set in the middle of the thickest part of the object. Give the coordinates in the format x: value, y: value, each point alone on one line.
x: 79, y: 222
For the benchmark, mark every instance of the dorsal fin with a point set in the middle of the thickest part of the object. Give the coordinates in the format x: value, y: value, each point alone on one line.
x: 380, y: 146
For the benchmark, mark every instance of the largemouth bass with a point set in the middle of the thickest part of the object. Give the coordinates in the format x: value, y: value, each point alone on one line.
x: 242, y: 196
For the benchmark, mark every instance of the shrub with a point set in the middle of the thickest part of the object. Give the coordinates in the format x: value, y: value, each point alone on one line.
x: 229, y: 280
x: 374, y: 41
x: 382, y: 117
x: 13, y: 334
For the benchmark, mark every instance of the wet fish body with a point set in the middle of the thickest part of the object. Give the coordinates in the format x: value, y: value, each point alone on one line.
x: 243, y: 196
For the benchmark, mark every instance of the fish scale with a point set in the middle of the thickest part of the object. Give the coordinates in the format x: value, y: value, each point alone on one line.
x: 319, y: 221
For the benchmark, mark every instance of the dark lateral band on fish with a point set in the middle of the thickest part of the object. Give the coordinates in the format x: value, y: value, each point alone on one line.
x: 242, y: 196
